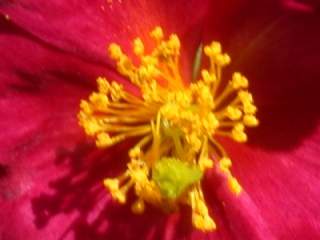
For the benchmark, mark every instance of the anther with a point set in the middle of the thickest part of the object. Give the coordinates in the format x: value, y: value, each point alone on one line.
x: 238, y: 81
x: 238, y: 133
x: 157, y: 33
x: 138, y: 47
x: 250, y: 120
x: 115, y: 51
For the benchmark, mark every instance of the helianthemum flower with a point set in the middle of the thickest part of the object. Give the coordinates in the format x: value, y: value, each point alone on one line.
x: 177, y: 124
x: 161, y: 119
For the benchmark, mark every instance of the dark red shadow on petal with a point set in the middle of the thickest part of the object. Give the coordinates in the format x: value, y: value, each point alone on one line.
x: 279, y: 52
x: 282, y: 67
x: 4, y: 171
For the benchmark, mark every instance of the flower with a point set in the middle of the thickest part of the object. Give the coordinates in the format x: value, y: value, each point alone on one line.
x: 50, y: 173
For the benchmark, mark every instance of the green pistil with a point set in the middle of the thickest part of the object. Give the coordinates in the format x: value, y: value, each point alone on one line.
x: 173, y: 176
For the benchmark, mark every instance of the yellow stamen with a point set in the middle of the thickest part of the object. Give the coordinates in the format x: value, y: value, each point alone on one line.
x: 234, y: 185
x: 200, y: 215
x: 177, y: 124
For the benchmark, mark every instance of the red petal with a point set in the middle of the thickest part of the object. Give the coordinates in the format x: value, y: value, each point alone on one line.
x: 280, y: 58
x: 301, y: 6
x: 279, y: 52
x: 276, y: 50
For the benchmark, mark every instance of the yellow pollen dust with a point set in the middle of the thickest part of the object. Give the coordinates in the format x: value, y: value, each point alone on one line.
x: 175, y: 124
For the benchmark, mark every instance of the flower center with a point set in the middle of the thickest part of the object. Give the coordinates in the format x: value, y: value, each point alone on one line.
x: 176, y: 125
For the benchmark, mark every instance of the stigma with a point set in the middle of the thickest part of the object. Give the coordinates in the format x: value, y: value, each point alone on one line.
x: 175, y: 124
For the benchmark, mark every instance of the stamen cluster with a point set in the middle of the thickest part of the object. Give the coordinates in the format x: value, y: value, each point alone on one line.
x: 176, y: 124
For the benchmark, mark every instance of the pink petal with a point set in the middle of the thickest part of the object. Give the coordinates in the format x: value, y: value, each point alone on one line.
x: 85, y: 28
x: 39, y: 102
x: 241, y: 215
x: 283, y: 184
x: 44, y: 158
